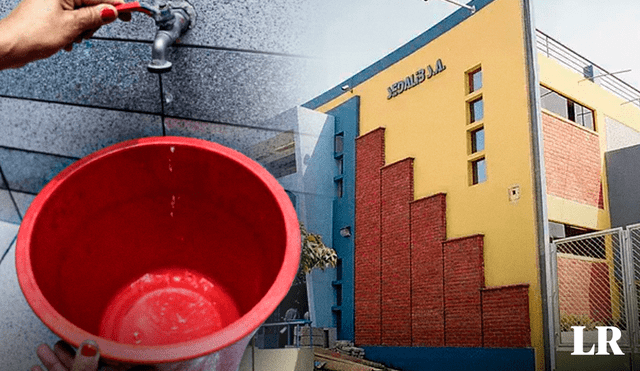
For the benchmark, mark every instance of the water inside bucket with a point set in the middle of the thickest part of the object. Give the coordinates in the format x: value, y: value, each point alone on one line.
x: 167, y: 307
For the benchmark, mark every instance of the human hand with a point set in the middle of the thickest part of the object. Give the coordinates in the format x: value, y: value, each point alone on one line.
x: 37, y: 29
x: 64, y: 358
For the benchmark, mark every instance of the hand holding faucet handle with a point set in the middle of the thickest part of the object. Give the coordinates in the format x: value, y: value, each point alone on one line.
x: 136, y: 6
x: 173, y: 18
x: 37, y: 29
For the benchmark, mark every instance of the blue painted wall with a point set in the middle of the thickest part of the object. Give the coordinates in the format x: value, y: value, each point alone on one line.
x: 313, y: 184
x: 347, y: 116
x: 453, y: 359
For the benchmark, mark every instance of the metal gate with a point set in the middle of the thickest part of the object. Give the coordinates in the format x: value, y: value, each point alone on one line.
x: 597, y: 283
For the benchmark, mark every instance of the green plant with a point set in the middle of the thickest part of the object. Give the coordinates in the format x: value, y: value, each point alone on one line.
x: 315, y: 254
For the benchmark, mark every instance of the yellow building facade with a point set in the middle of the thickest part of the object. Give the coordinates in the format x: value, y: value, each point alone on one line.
x: 458, y: 115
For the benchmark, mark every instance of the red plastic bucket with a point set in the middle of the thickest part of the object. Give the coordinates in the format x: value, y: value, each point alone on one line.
x: 166, y: 251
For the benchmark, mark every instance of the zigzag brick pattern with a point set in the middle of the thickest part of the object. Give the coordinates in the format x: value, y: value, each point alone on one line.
x: 505, y: 322
x: 397, y: 192
x: 428, y: 231
x: 463, y: 279
x: 369, y: 160
x: 413, y: 287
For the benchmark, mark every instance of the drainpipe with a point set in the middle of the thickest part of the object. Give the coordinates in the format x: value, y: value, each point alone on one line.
x: 540, y: 189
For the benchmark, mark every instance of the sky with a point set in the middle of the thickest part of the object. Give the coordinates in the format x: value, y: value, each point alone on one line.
x: 356, y: 33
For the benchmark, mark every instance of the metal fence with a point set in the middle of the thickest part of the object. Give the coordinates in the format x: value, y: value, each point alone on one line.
x: 633, y: 241
x: 597, y: 283
x: 569, y: 58
x: 291, y: 331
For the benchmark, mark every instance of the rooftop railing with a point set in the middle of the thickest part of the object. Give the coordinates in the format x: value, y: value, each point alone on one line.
x: 554, y: 49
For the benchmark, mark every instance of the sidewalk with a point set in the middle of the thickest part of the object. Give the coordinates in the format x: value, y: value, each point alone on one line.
x: 20, y: 330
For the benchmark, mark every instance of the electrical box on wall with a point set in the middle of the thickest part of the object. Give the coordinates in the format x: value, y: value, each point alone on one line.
x: 514, y: 193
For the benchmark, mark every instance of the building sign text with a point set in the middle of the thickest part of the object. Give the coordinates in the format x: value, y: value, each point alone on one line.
x: 415, y: 79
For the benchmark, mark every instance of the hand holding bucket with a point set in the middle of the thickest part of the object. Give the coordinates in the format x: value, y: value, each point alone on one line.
x: 165, y: 251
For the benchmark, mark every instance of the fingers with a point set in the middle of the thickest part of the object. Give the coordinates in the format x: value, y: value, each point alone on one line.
x: 142, y: 368
x: 125, y: 17
x: 49, y: 359
x: 87, y: 357
x: 86, y: 35
x: 92, y: 17
x: 81, y: 3
x: 65, y: 353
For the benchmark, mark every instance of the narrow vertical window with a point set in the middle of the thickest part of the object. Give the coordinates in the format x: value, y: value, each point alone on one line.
x: 475, y: 80
x: 476, y: 110
x: 477, y: 140
x: 339, y: 188
x: 479, y: 171
x: 338, y: 145
x: 340, y: 165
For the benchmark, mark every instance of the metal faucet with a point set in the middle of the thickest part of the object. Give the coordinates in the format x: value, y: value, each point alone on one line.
x: 173, y: 18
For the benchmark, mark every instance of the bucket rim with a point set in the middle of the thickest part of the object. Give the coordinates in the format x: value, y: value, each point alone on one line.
x: 245, y: 326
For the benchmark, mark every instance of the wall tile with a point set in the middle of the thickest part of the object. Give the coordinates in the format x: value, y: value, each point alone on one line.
x: 235, y: 137
x: 141, y: 27
x: 8, y: 211
x: 18, y: 322
x: 231, y: 87
x: 69, y: 130
x: 255, y: 143
x: 23, y: 200
x: 97, y: 73
x: 269, y: 26
x: 28, y: 171
x: 6, y: 6
x: 8, y: 233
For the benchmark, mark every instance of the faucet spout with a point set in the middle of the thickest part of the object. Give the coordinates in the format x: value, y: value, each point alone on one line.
x: 169, y: 31
x: 173, y: 18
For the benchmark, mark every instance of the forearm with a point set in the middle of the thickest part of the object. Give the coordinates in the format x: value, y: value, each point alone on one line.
x: 25, y: 37
x: 8, y: 46
x: 38, y: 29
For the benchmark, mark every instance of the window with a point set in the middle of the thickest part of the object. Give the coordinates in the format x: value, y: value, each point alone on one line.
x: 338, y: 148
x: 593, y: 247
x: 338, y: 144
x: 277, y: 154
x: 340, y: 165
x: 479, y: 171
x: 339, y: 188
x: 475, y: 80
x: 476, y: 110
x: 567, y: 108
x: 476, y: 161
x: 477, y: 140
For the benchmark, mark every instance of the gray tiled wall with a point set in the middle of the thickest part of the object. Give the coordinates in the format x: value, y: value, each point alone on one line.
x: 242, y: 63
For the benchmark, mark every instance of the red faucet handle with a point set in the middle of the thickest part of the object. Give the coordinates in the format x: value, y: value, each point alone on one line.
x: 133, y: 7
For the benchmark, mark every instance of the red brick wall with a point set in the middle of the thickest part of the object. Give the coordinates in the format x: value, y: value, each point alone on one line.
x: 397, y: 192
x: 412, y: 286
x: 463, y: 279
x: 428, y: 231
x: 583, y: 287
x: 572, y: 162
x: 505, y: 316
x: 369, y: 160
